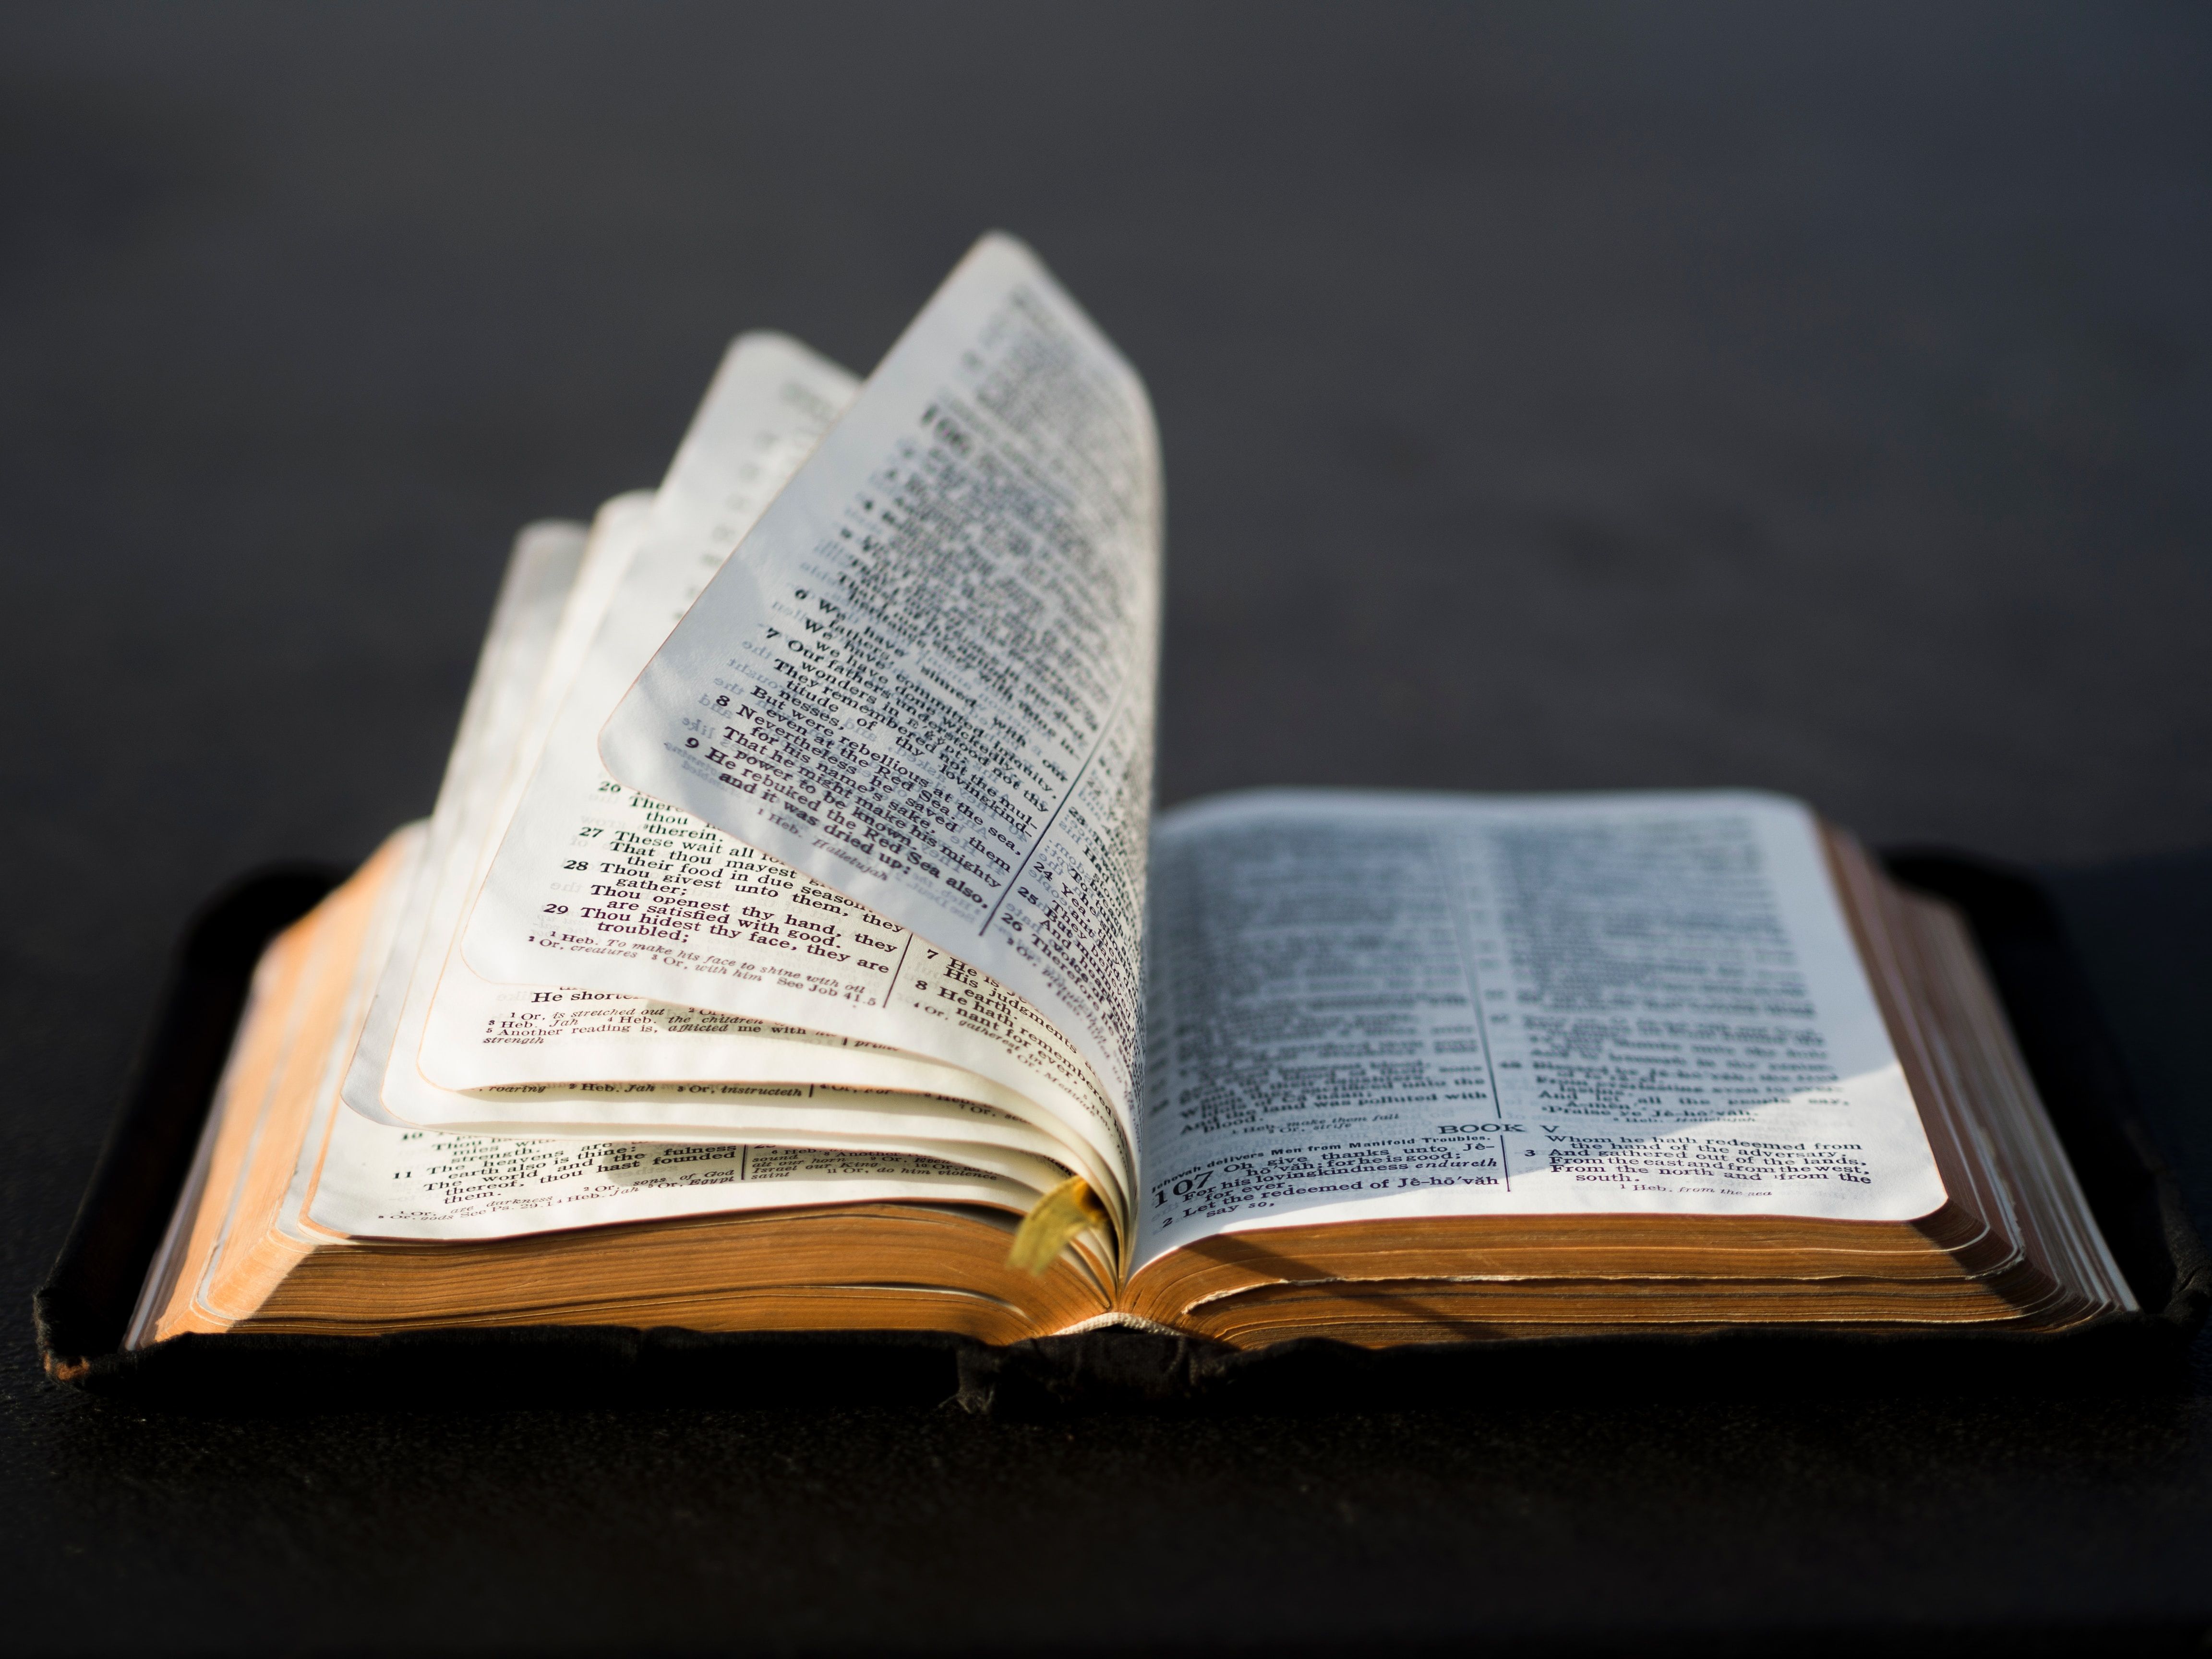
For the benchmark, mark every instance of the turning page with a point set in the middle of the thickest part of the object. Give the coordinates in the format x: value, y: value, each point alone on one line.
x: 927, y: 677
x: 578, y: 870
x: 769, y: 405
x: 1394, y: 1004
x: 507, y: 699
x: 629, y: 968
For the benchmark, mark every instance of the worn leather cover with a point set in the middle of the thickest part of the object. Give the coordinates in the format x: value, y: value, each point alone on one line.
x: 85, y: 1305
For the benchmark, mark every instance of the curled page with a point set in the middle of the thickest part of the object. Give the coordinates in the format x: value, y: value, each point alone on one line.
x: 613, y: 940
x: 926, y: 679
x: 542, y: 608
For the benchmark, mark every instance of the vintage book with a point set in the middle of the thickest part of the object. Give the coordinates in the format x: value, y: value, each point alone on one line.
x: 794, y: 947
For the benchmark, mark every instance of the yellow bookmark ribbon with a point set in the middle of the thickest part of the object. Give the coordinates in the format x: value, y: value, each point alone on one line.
x: 1052, y: 1222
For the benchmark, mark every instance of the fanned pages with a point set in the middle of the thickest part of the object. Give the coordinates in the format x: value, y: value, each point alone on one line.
x: 538, y: 1024
x: 928, y: 681
x: 791, y: 948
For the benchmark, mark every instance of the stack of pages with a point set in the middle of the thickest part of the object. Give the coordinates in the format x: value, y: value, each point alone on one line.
x: 794, y: 946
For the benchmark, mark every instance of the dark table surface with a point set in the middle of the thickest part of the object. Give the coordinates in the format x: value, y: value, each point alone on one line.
x: 1554, y: 397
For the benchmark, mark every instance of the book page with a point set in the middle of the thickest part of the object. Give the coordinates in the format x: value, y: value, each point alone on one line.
x: 379, y: 1182
x: 548, y: 608
x: 926, y: 679
x: 549, y: 1018
x: 1394, y: 1005
x: 582, y: 853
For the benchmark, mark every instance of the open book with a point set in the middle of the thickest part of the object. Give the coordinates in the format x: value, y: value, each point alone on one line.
x: 794, y: 946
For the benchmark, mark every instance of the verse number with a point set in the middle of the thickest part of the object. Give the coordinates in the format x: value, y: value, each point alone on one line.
x: 1185, y: 1187
x: 721, y: 703
x: 575, y: 863
x: 557, y: 909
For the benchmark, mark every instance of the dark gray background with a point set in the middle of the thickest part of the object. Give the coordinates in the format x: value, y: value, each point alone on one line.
x: 1553, y: 396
